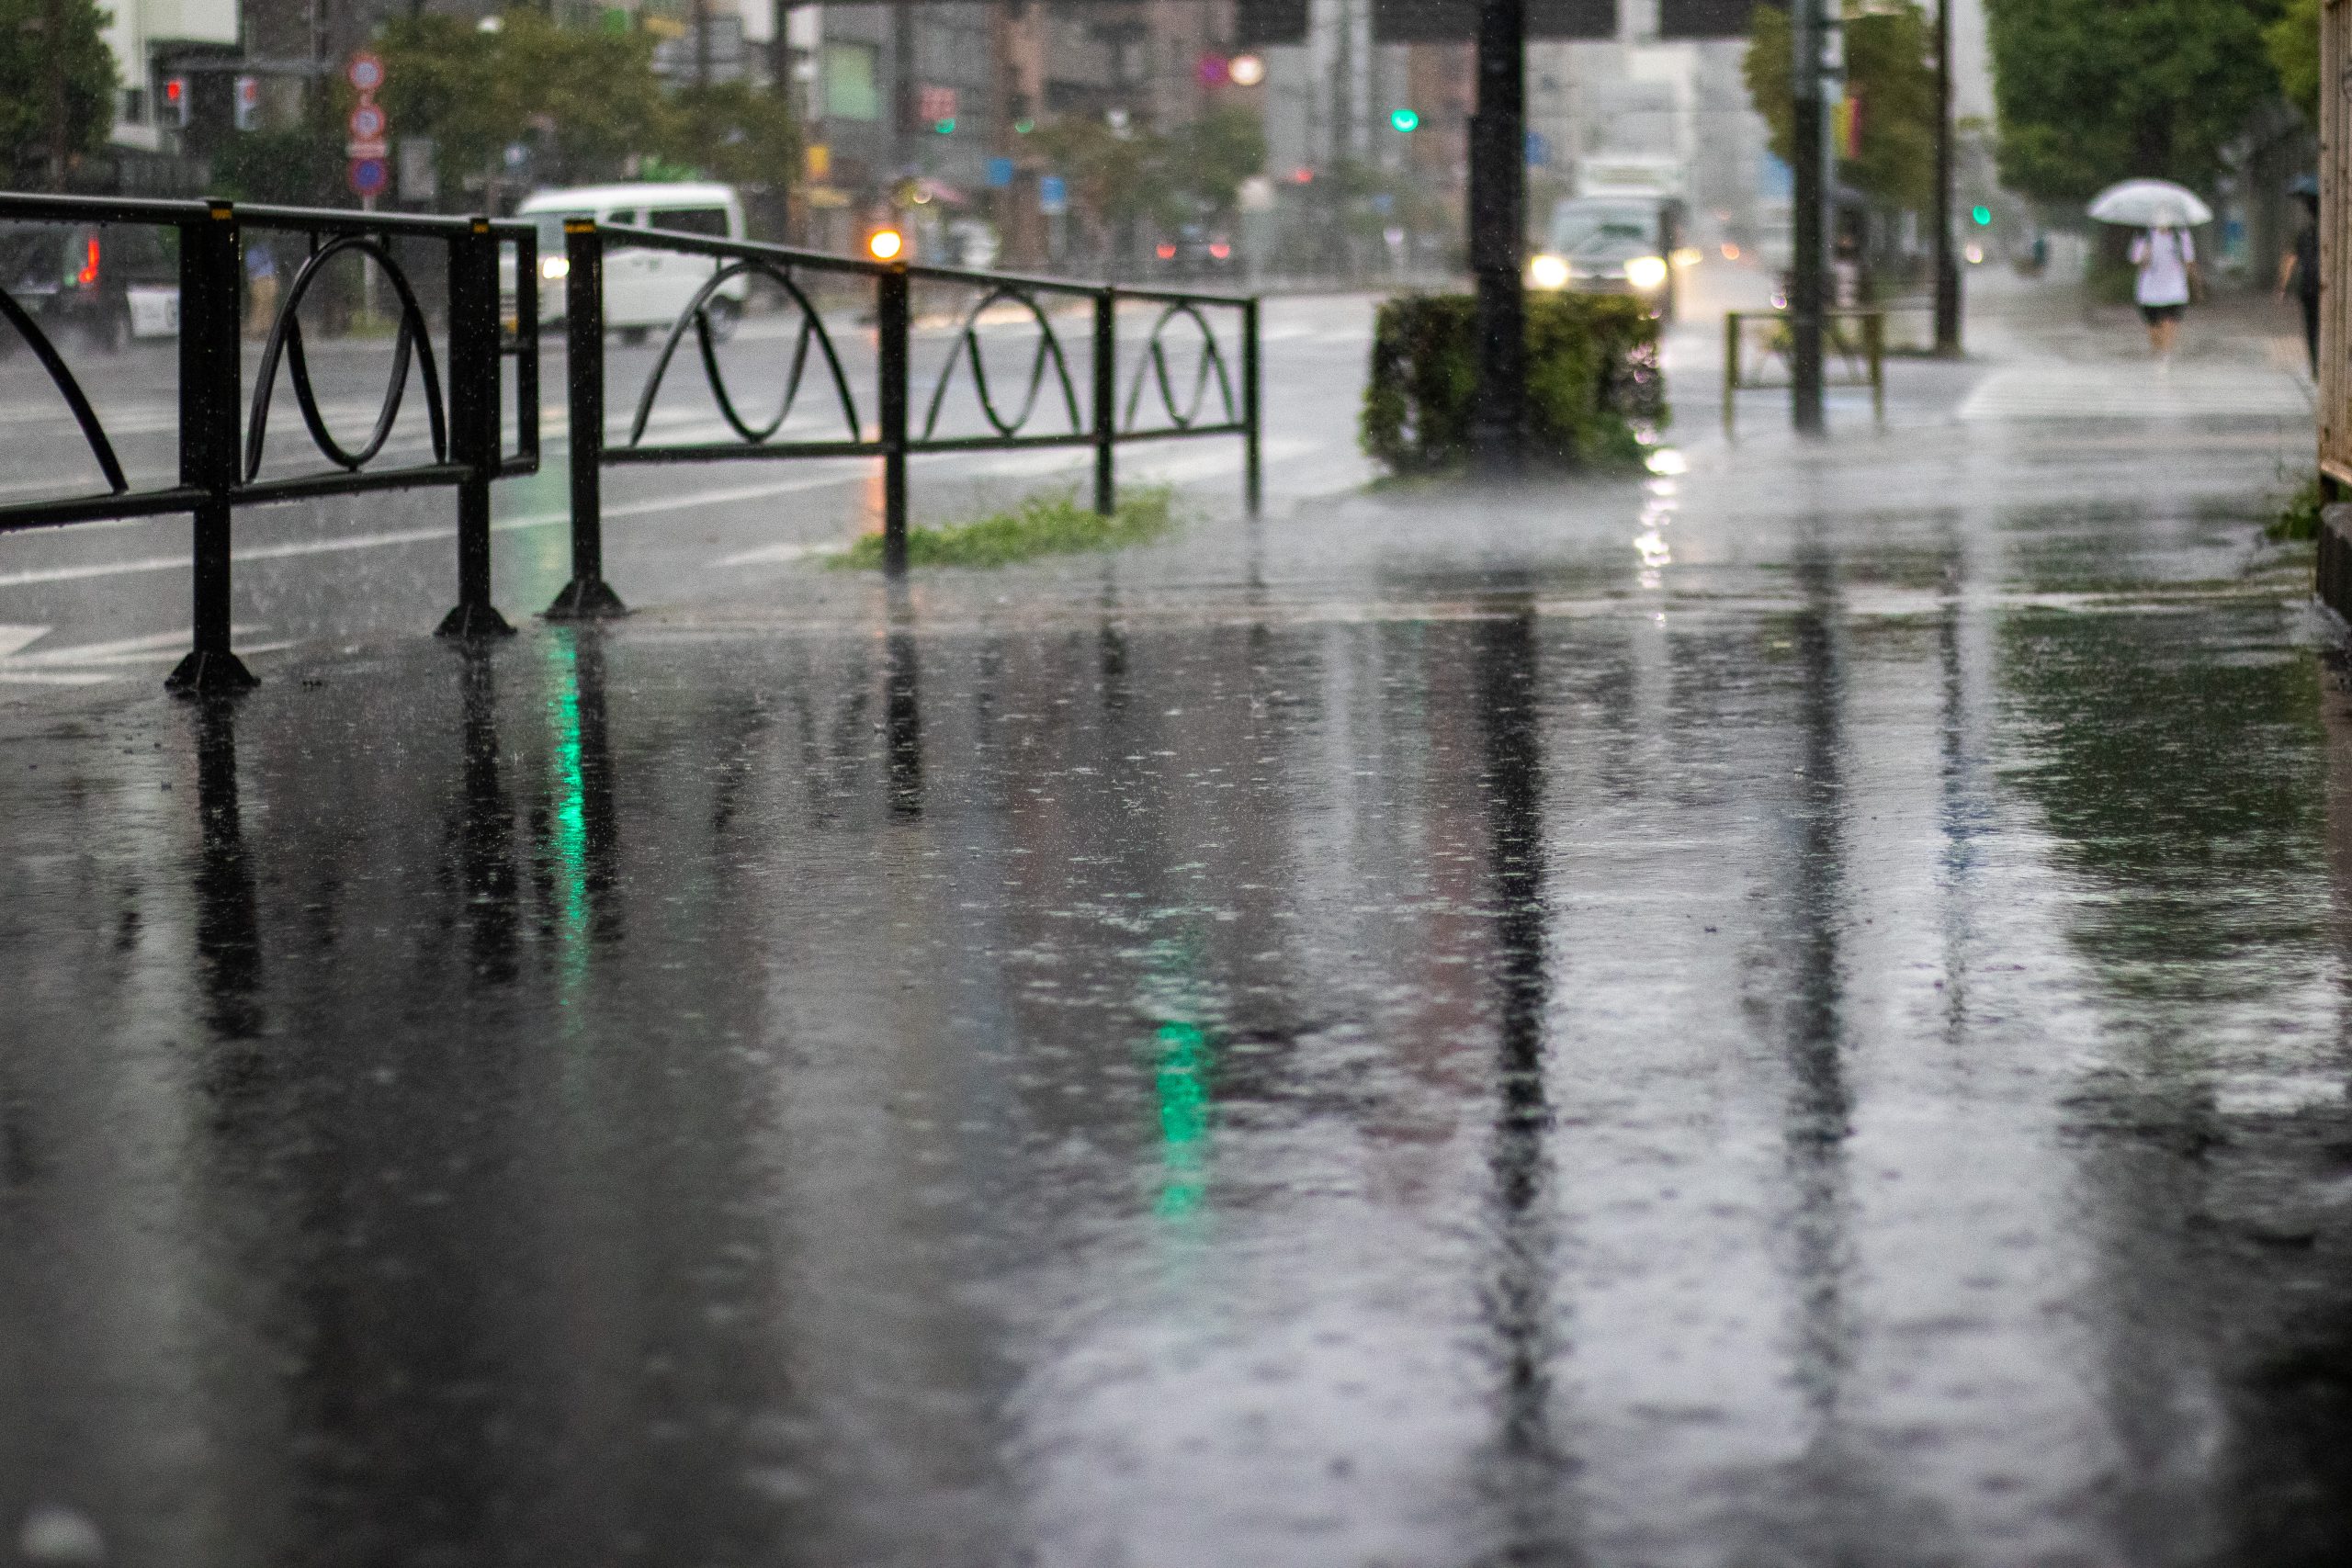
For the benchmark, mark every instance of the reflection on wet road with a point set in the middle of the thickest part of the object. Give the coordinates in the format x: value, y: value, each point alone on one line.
x: 1515, y: 1086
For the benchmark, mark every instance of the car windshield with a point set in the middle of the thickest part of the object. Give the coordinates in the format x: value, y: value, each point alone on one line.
x: 1582, y: 226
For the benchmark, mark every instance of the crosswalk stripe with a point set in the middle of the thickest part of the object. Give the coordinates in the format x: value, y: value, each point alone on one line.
x: 2133, y: 390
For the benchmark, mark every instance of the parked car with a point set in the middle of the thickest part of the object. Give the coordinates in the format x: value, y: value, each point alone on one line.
x: 108, y: 282
x: 644, y: 287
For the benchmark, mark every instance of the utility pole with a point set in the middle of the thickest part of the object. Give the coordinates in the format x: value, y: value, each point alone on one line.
x: 60, y: 142
x: 1499, y: 238
x: 1947, y: 267
x: 1808, y: 90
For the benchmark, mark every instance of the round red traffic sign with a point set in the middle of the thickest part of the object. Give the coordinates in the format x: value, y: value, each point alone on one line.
x: 370, y: 177
x: 367, y: 123
x: 364, y: 73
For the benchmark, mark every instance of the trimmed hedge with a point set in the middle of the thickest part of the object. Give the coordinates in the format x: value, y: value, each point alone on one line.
x: 1594, y: 389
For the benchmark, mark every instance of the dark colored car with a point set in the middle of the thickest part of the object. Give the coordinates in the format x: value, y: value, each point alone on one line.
x: 1197, y: 251
x: 106, y: 283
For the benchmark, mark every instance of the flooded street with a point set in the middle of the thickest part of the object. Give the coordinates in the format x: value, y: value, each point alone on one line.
x: 1793, y: 1012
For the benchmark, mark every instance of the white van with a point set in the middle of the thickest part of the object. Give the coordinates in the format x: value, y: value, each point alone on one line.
x: 644, y: 289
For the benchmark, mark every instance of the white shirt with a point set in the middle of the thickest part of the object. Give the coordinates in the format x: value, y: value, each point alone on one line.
x: 2162, y: 256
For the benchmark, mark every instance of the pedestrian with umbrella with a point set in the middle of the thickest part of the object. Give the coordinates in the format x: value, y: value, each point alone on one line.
x: 2165, y: 253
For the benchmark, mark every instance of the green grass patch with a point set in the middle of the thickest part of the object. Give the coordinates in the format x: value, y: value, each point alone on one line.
x: 2299, y: 519
x: 1051, y: 524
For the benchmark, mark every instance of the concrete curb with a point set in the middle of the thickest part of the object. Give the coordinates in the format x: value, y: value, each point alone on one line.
x: 2335, y: 573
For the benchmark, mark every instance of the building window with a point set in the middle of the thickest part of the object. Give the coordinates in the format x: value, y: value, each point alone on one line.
x: 851, y: 89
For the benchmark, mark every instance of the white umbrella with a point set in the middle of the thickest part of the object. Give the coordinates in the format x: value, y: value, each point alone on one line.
x: 2150, y: 204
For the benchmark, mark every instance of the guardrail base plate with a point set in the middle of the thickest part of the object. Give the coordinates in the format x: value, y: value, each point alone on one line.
x: 210, y: 675
x: 585, y: 599
x: 473, y: 621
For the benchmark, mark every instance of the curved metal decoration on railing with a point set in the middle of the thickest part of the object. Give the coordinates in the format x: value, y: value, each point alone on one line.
x: 1155, y: 360
x: 697, y: 314
x: 69, y: 388
x: 286, y: 335
x: 967, y: 345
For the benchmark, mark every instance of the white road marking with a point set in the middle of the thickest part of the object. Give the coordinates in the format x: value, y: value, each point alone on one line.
x: 94, y: 664
x: 777, y: 555
x: 2135, y: 390
x: 391, y: 536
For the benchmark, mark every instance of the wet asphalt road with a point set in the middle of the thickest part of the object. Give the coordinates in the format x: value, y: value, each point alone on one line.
x: 1790, y: 1013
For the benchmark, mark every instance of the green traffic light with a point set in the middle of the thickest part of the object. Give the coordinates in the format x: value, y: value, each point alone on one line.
x: 945, y: 126
x: 1404, y: 121
x: 1023, y: 127
x: 1984, y: 215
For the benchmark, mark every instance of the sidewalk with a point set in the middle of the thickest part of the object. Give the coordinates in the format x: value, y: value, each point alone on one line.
x: 1786, y: 1010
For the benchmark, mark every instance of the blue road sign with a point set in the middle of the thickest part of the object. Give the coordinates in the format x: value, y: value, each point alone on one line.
x: 1053, y: 196
x: 999, y: 173
x: 370, y: 177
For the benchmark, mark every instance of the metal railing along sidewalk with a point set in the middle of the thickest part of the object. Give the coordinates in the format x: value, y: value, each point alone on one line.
x: 221, y: 436
x: 891, y: 432
x: 1861, y: 352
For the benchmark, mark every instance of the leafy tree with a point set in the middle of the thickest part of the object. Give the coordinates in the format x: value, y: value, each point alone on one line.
x: 2090, y: 92
x: 2293, y: 43
x: 1888, y: 72
x: 1117, y: 178
x: 1212, y: 156
x: 732, y: 131
x: 582, y: 100
x: 53, y: 58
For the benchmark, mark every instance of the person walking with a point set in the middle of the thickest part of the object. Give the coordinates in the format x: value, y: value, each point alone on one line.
x: 2299, y: 267
x: 2166, y: 257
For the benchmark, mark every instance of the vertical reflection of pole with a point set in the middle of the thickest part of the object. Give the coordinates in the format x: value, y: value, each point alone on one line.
x: 485, y: 828
x: 598, y: 811
x: 1519, y: 1305
x: 903, y: 710
x: 1820, y: 1103
x: 581, y: 831
x: 228, y: 933
x: 1962, y: 809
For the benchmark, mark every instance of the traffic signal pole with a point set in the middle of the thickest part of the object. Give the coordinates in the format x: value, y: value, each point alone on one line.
x: 1947, y: 267
x: 1808, y: 90
x: 1499, y: 238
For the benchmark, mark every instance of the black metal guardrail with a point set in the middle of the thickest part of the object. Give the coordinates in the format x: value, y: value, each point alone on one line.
x: 892, y: 436
x: 222, y: 436
x: 223, y: 433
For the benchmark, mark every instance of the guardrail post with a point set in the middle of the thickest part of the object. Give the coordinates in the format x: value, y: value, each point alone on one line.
x: 1731, y: 366
x: 1252, y: 478
x: 1106, y: 399
x: 587, y: 596
x: 474, y: 437
x: 891, y: 317
x: 211, y: 408
x: 1874, y: 334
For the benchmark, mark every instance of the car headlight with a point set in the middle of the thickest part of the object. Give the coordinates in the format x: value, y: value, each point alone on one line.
x: 1645, y: 272
x: 1547, y: 272
x: 553, y: 268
